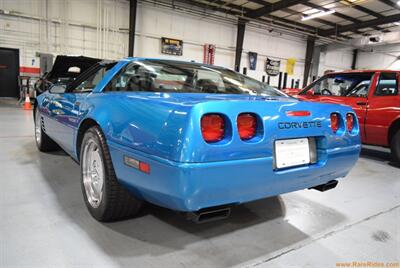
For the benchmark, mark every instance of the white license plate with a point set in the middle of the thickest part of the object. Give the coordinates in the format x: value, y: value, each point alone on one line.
x: 293, y: 152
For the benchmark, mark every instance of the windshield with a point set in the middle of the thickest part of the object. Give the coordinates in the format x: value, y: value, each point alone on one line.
x: 180, y: 77
x: 342, y: 84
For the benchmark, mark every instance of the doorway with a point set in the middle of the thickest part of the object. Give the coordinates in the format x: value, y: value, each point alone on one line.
x: 9, y: 72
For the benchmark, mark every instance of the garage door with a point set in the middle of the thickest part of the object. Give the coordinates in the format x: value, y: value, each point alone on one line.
x: 9, y: 71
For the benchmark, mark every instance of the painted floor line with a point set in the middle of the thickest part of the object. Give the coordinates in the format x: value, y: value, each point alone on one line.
x: 343, y: 228
x: 11, y: 137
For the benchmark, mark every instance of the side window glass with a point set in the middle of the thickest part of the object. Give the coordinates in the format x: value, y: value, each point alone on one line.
x: 91, y: 82
x: 331, y: 86
x: 387, y: 85
x: 360, y: 90
x: 343, y: 85
x: 135, y: 77
x: 209, y: 82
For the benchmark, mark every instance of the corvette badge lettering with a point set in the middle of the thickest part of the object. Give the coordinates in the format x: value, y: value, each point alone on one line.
x: 289, y: 125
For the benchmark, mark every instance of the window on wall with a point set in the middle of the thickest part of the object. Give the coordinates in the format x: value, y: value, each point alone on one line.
x: 387, y: 85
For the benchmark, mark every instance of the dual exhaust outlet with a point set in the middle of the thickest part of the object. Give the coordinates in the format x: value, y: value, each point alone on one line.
x: 209, y: 214
x: 325, y: 187
x: 223, y: 212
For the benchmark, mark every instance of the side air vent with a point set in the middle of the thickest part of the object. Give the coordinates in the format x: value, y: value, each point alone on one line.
x: 42, y: 124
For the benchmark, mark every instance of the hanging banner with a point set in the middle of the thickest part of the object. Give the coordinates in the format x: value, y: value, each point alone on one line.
x: 171, y: 46
x: 290, y: 66
x: 272, y: 67
x: 253, y: 60
x: 208, y: 54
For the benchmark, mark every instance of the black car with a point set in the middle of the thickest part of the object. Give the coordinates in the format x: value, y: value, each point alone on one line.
x: 65, y: 70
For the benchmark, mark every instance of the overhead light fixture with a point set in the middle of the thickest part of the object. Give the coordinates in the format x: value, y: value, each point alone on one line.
x: 317, y: 15
x: 311, y: 11
x: 396, y: 23
x: 398, y: 3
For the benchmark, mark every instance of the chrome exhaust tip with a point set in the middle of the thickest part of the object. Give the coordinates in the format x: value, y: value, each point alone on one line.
x: 325, y: 187
x: 209, y: 214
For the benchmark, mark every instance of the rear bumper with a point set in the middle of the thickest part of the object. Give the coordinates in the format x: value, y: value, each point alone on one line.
x: 194, y: 186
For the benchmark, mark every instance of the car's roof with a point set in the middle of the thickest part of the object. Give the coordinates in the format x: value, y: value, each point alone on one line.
x: 177, y: 61
x: 362, y: 71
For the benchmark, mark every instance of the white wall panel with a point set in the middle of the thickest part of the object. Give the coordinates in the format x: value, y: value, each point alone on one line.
x: 336, y: 60
x: 73, y: 30
x: 389, y: 59
x: 197, y: 31
x: 81, y: 11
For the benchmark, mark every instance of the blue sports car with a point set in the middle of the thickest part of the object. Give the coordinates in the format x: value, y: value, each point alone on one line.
x: 190, y: 137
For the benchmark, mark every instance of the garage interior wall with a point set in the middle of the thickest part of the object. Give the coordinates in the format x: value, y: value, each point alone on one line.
x: 92, y: 28
x: 383, y: 57
x: 335, y: 60
x: 99, y: 28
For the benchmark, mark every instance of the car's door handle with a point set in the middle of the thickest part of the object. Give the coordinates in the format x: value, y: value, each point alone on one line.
x: 361, y: 103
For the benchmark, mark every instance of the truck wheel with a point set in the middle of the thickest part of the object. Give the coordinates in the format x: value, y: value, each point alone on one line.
x: 43, y: 142
x: 105, y: 198
x: 395, y: 146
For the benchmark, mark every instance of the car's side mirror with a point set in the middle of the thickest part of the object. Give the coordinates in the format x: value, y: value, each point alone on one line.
x: 58, y: 89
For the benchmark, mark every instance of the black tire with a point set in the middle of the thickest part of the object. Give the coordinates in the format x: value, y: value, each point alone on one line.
x: 43, y: 142
x: 395, y: 146
x: 115, y: 203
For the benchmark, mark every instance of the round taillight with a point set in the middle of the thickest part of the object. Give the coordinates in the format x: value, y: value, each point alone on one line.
x: 349, y: 122
x: 335, y: 122
x: 212, y: 127
x: 247, y: 126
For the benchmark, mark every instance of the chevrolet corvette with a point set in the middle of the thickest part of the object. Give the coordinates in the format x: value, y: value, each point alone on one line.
x: 190, y: 137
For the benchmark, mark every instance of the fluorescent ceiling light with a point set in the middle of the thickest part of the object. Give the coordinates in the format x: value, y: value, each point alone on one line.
x: 315, y: 10
x: 398, y: 3
x: 317, y: 15
x: 311, y: 11
x: 329, y: 6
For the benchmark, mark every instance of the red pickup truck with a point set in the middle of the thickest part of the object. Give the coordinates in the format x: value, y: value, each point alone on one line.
x: 374, y: 96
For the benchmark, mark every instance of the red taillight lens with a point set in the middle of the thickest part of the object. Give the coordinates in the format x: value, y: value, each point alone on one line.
x: 247, y: 126
x: 334, y: 122
x: 212, y: 127
x: 350, y: 122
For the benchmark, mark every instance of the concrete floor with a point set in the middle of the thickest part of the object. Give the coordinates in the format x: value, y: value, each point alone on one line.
x: 44, y: 222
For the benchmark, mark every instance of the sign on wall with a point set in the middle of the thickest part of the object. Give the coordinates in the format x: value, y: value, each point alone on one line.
x: 209, y: 54
x: 252, y: 60
x: 272, y: 67
x: 290, y: 66
x: 171, y: 46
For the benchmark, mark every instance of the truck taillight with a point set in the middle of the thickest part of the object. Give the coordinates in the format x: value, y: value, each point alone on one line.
x: 335, y: 122
x: 212, y: 127
x: 247, y: 126
x: 350, y: 122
